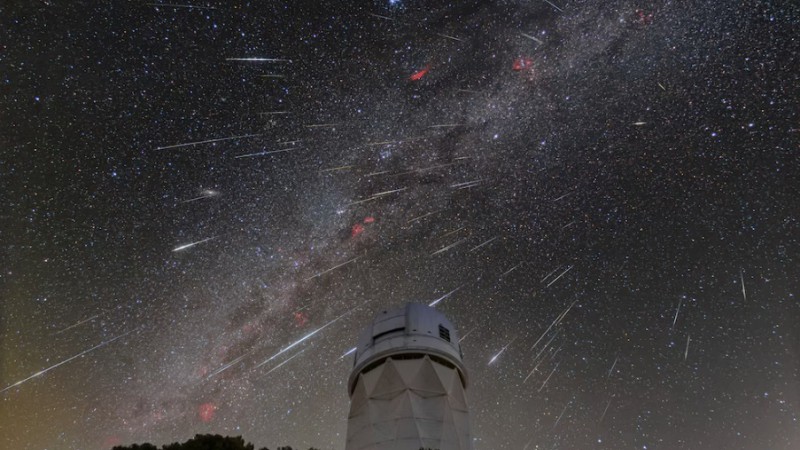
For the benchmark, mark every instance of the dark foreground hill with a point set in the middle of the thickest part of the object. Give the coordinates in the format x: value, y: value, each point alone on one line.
x: 203, y: 442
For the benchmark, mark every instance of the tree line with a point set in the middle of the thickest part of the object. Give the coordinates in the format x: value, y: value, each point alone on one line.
x: 203, y: 442
x: 210, y: 442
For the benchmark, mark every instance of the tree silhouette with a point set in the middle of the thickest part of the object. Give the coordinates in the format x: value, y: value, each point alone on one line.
x: 203, y: 442
x: 144, y: 446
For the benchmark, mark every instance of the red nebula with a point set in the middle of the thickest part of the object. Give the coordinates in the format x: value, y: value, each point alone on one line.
x: 369, y: 219
x: 417, y: 75
x: 357, y: 229
x: 111, y: 441
x: 251, y: 327
x: 521, y: 63
x: 300, y: 319
x: 222, y: 350
x: 206, y: 411
x: 643, y: 18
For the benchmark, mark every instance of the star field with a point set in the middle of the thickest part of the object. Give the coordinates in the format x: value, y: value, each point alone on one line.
x: 204, y: 203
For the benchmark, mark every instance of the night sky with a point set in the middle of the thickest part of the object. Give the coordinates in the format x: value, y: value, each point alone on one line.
x: 203, y: 204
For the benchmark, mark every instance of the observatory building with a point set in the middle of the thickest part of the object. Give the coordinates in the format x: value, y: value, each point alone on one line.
x: 408, y: 384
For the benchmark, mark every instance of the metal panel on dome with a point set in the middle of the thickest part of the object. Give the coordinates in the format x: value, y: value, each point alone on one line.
x: 408, y: 384
x: 412, y: 330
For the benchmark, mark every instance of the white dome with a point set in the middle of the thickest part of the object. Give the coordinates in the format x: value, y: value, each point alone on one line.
x: 412, y: 330
x: 408, y: 385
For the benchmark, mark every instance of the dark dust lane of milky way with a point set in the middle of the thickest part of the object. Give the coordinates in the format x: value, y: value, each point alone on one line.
x: 203, y: 204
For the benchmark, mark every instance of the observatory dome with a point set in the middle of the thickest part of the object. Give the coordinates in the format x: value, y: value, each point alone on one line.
x: 410, y: 331
x: 408, y: 384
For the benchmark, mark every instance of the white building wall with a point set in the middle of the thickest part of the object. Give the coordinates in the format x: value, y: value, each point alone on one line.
x: 407, y: 389
x: 407, y: 404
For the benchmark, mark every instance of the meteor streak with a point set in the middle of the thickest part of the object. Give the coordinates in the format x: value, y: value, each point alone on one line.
x: 322, y: 125
x: 191, y: 244
x: 436, y: 302
x: 604, y: 411
x: 447, y: 125
x: 208, y: 141
x: 424, y: 169
x: 534, y: 38
x: 173, y: 5
x: 452, y: 232
x: 254, y: 59
x: 77, y: 324
x: 398, y: 141
x: 741, y: 277
x: 54, y: 366
x: 423, y: 216
x: 449, y: 37
x: 510, y: 270
x: 544, y: 347
x: 532, y: 371
x: 677, y: 310
x: 376, y: 196
x: 497, y: 355
x: 537, y: 357
x: 332, y: 268
x: 375, y: 144
x: 553, y: 5
x: 283, y: 363
x: 444, y: 249
x: 468, y: 333
x: 483, y: 244
x: 686, y: 353
x: 467, y: 184
x: 548, y: 377
x: 227, y: 366
x: 611, y: 370
x: 208, y: 193
x: 349, y: 352
x: 303, y: 339
x: 560, y: 275
x: 265, y: 153
x: 550, y: 274
x: 561, y: 415
x: 555, y: 322
x: 381, y: 17
x: 336, y: 169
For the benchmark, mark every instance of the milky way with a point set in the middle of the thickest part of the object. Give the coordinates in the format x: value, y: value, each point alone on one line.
x: 204, y: 204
